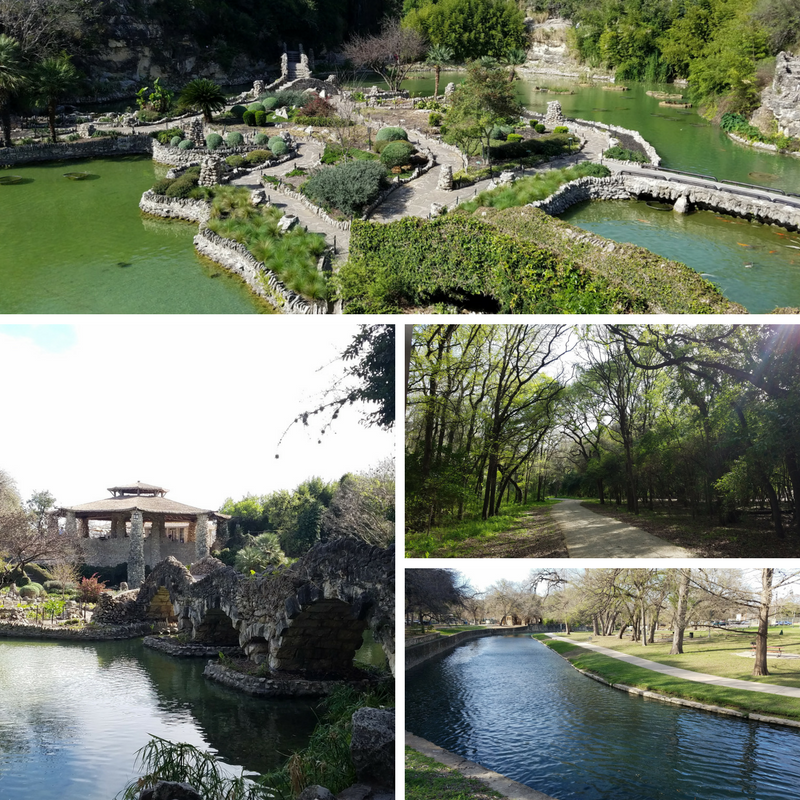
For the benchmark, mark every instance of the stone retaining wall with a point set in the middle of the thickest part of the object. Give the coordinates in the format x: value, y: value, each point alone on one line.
x: 22, y: 630
x: 101, y: 147
x: 175, y: 157
x: 342, y: 225
x: 171, y: 647
x: 237, y: 258
x: 589, y: 188
x: 579, y: 124
x: 174, y: 207
x: 278, y: 687
x: 418, y: 654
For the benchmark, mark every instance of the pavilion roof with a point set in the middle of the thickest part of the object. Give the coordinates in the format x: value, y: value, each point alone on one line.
x: 138, y: 488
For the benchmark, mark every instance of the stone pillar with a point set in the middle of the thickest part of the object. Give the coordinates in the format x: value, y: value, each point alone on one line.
x: 83, y: 527
x: 118, y: 526
x: 222, y: 532
x: 156, y: 534
x: 52, y: 523
x: 72, y: 524
x: 201, y: 536
x: 191, y: 531
x: 136, y: 555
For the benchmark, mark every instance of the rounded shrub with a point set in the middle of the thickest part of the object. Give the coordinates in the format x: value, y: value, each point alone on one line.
x: 270, y: 103
x: 397, y: 154
x: 182, y: 187
x: 186, y: 144
x: 257, y: 156
x: 213, y: 141
x: 261, y: 138
x: 32, y: 590
x: 390, y: 134
x: 161, y: 186
x: 238, y: 111
x: 539, y: 128
x: 249, y: 118
x: 261, y: 119
x: 278, y: 146
x: 256, y: 107
x: 434, y: 119
x: 234, y: 139
x: 514, y: 137
x: 234, y: 161
x: 175, y: 141
x: 561, y: 129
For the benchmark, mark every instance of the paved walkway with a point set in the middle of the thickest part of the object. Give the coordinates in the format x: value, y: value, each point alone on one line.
x: 590, y: 535
x: 686, y: 674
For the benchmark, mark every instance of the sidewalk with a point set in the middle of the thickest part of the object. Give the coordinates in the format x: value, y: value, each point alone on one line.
x: 590, y: 535
x: 685, y: 674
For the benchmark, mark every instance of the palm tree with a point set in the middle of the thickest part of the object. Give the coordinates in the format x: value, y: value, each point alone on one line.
x: 514, y: 57
x: 53, y: 79
x: 260, y: 553
x: 13, y: 77
x: 204, y: 94
x: 438, y: 55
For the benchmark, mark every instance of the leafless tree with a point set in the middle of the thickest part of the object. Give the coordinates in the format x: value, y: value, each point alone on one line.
x: 43, y: 27
x: 22, y: 543
x: 391, y: 53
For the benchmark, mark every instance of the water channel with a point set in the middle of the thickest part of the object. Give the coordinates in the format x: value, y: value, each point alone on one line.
x: 73, y: 715
x: 512, y: 705
x: 755, y: 265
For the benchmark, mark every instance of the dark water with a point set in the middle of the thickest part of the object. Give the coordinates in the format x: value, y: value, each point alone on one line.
x: 513, y: 706
x: 73, y: 715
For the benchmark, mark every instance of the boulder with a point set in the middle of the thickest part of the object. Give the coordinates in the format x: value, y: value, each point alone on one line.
x: 287, y: 223
x: 316, y: 793
x: 372, y: 745
x: 170, y: 790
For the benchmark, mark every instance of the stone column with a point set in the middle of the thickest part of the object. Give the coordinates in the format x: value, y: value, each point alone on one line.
x: 118, y: 526
x: 136, y: 555
x: 83, y: 527
x: 191, y: 531
x: 52, y: 523
x: 156, y: 534
x: 72, y: 524
x: 222, y: 532
x: 201, y: 536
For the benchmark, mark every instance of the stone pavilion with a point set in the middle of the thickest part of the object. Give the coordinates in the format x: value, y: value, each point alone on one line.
x: 145, y: 528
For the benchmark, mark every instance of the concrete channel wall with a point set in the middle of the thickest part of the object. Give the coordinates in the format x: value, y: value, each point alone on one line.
x: 418, y: 652
x: 101, y: 147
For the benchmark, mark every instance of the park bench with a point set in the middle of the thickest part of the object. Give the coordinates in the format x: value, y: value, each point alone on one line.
x: 771, y: 650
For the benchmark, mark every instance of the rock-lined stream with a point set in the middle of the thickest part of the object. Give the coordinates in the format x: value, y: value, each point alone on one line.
x: 510, y: 704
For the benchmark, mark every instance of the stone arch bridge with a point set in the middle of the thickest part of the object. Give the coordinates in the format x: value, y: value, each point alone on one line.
x: 308, y: 617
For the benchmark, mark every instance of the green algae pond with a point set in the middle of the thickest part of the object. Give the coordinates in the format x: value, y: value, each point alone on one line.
x: 83, y: 247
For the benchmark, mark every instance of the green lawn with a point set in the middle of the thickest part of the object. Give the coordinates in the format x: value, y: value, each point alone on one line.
x: 715, y: 657
x: 427, y: 779
x: 519, y: 531
x: 459, y: 628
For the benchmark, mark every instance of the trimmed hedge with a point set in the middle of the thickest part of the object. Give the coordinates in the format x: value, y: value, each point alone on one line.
x: 175, y: 141
x: 213, y: 141
x: 551, y: 146
x: 261, y: 119
x: 463, y: 261
x: 258, y: 156
x: 234, y: 139
x: 278, y: 146
x: 256, y: 107
x: 186, y: 144
x: 249, y: 118
x: 397, y: 154
x: 238, y: 111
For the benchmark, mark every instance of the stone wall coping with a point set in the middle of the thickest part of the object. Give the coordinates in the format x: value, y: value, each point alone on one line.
x: 26, y: 630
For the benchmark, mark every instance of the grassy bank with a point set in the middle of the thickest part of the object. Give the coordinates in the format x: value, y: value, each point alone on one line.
x: 716, y: 656
x: 521, y: 531
x: 427, y: 779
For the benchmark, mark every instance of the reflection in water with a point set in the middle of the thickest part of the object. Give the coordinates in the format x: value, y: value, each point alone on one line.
x: 517, y: 708
x: 72, y: 717
x: 752, y: 264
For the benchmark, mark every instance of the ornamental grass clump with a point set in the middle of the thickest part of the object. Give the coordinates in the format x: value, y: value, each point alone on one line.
x: 291, y: 256
x: 536, y: 187
x: 348, y: 187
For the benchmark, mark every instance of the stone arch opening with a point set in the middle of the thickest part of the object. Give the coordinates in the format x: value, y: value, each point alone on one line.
x: 160, y: 607
x: 257, y: 649
x: 321, y: 639
x: 217, y: 628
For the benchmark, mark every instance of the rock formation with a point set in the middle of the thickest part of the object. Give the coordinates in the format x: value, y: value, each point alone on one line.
x: 780, y: 103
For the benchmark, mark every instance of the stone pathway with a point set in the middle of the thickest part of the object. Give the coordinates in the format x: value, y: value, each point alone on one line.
x: 590, y: 535
x: 309, y: 153
x: 686, y: 674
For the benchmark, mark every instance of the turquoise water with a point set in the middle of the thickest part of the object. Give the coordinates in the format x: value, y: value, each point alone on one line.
x: 72, y: 717
x: 515, y: 707
x: 83, y: 247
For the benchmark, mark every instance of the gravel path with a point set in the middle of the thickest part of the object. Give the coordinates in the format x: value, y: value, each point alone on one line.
x: 589, y: 535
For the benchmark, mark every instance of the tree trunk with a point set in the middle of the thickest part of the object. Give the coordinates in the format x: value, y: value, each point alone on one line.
x: 437, y: 70
x: 680, y: 615
x: 5, y: 118
x: 760, y: 667
x: 51, y: 120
